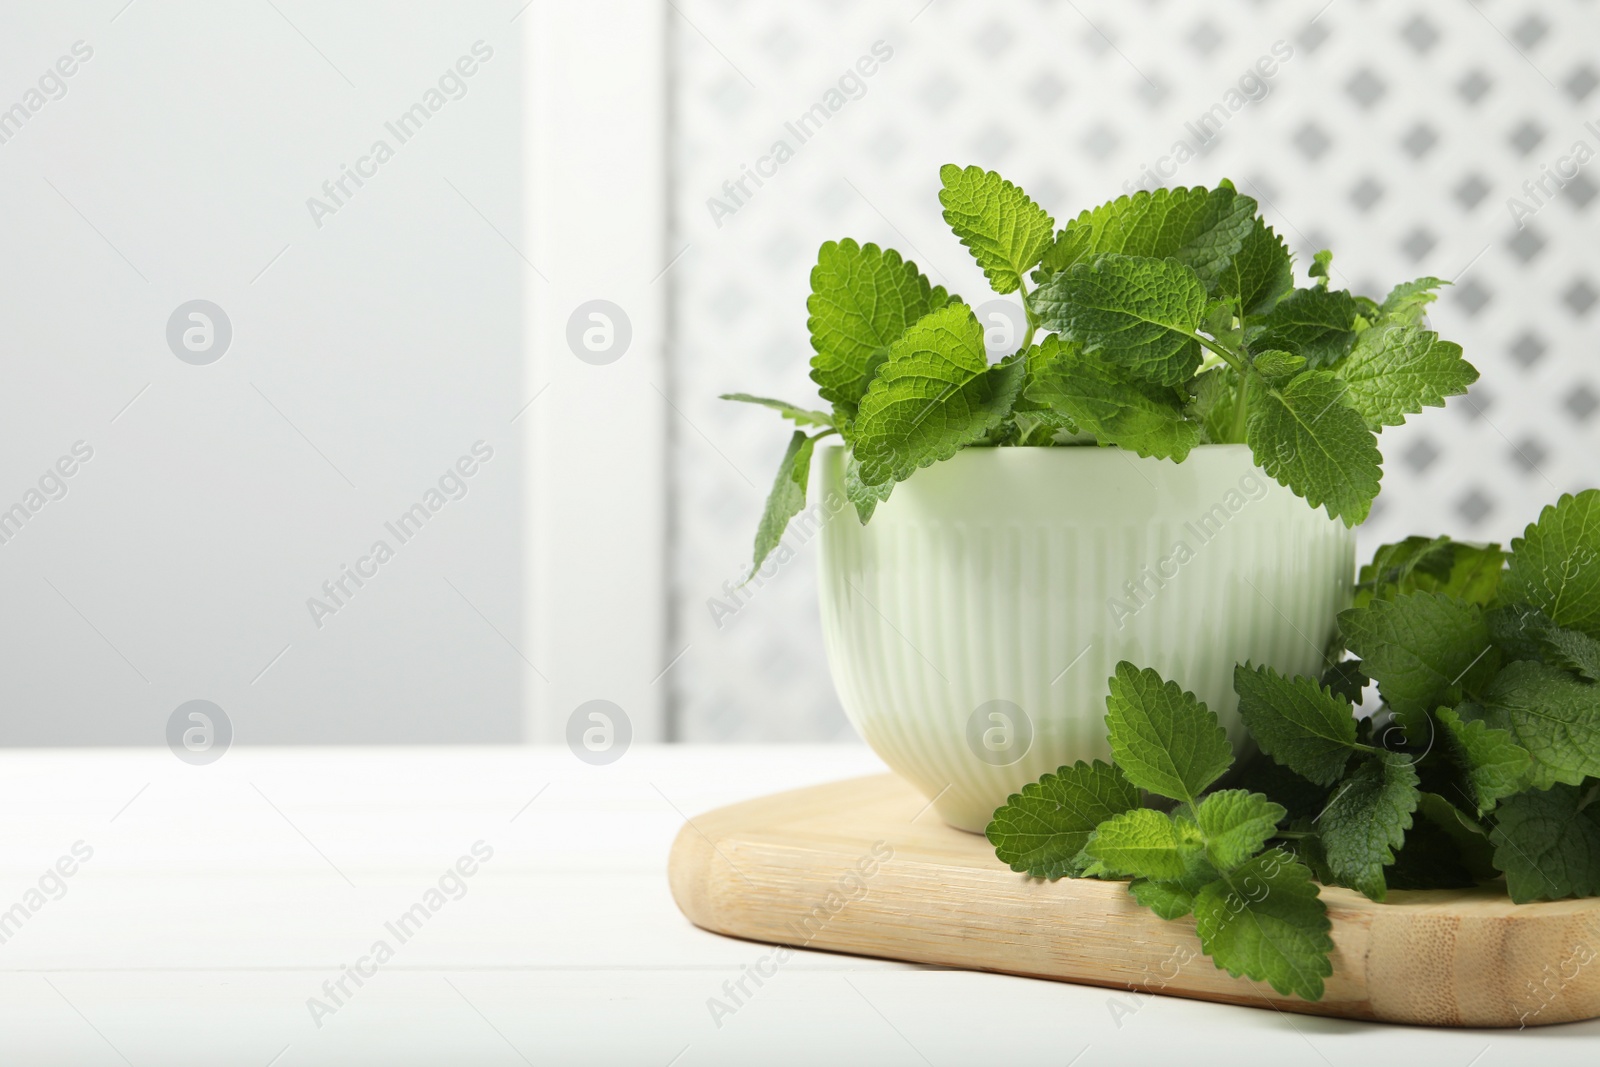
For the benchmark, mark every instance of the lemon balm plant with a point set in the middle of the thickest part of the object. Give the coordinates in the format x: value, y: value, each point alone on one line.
x: 1156, y: 323
x: 967, y: 623
x: 1479, y: 766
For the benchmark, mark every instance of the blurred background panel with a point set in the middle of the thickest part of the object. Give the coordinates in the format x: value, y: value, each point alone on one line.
x: 1392, y: 133
x: 335, y: 181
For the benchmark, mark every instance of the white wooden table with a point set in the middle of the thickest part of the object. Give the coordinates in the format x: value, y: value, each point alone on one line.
x: 218, y: 900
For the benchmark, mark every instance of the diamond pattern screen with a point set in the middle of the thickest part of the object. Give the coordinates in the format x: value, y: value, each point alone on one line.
x: 1458, y: 140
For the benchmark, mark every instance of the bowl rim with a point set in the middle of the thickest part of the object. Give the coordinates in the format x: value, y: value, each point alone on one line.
x: 836, y: 444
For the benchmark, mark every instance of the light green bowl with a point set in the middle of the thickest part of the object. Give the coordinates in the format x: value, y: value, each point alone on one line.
x: 972, y: 625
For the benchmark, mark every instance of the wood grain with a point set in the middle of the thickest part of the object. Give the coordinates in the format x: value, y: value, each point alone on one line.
x: 864, y: 866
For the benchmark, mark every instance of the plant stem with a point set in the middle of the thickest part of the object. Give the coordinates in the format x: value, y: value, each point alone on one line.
x: 1294, y: 835
x: 1033, y: 323
x: 1236, y: 360
x: 1229, y: 356
x: 1241, y: 409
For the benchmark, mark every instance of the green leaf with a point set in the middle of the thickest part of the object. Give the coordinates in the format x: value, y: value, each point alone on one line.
x: 1548, y: 845
x: 1173, y: 898
x: 1141, y: 843
x: 1408, y: 301
x: 1263, y: 774
x: 1037, y: 426
x: 1297, y: 722
x: 864, y: 496
x: 1306, y: 438
x: 1218, y: 318
x: 1202, y: 229
x: 1096, y: 397
x: 1435, y: 806
x: 1367, y: 820
x: 1164, y: 739
x: 1042, y: 829
x: 1261, y: 274
x: 1517, y: 630
x: 1169, y: 900
x: 1525, y: 632
x: 1216, y: 399
x: 1318, y: 324
x: 934, y: 395
x: 1005, y: 230
x: 862, y: 299
x: 787, y: 498
x: 1460, y: 569
x: 1040, y: 424
x: 1444, y: 849
x: 1321, y: 263
x: 1395, y: 371
x: 1346, y: 680
x: 1274, y: 363
x: 1265, y: 921
x: 1028, y: 412
x: 798, y: 415
x: 1137, y: 312
x: 1419, y: 647
x: 1574, y: 651
x: 1236, y: 825
x: 1550, y: 713
x: 1490, y: 760
x: 1555, y: 564
x: 1470, y: 836
x: 1405, y: 566
x: 1475, y: 572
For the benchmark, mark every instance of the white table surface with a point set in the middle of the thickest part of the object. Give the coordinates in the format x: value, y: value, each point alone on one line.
x: 220, y: 898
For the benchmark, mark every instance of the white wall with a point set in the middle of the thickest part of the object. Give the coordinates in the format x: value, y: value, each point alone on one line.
x: 368, y: 354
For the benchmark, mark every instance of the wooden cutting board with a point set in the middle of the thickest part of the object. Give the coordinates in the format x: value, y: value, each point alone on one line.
x: 865, y: 866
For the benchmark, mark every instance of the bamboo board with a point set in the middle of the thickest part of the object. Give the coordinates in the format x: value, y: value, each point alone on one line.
x: 865, y: 866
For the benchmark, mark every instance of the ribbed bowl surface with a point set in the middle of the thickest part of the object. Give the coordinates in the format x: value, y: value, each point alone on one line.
x: 972, y: 625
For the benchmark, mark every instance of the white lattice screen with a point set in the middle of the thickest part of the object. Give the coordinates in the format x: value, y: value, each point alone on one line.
x: 1393, y: 133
